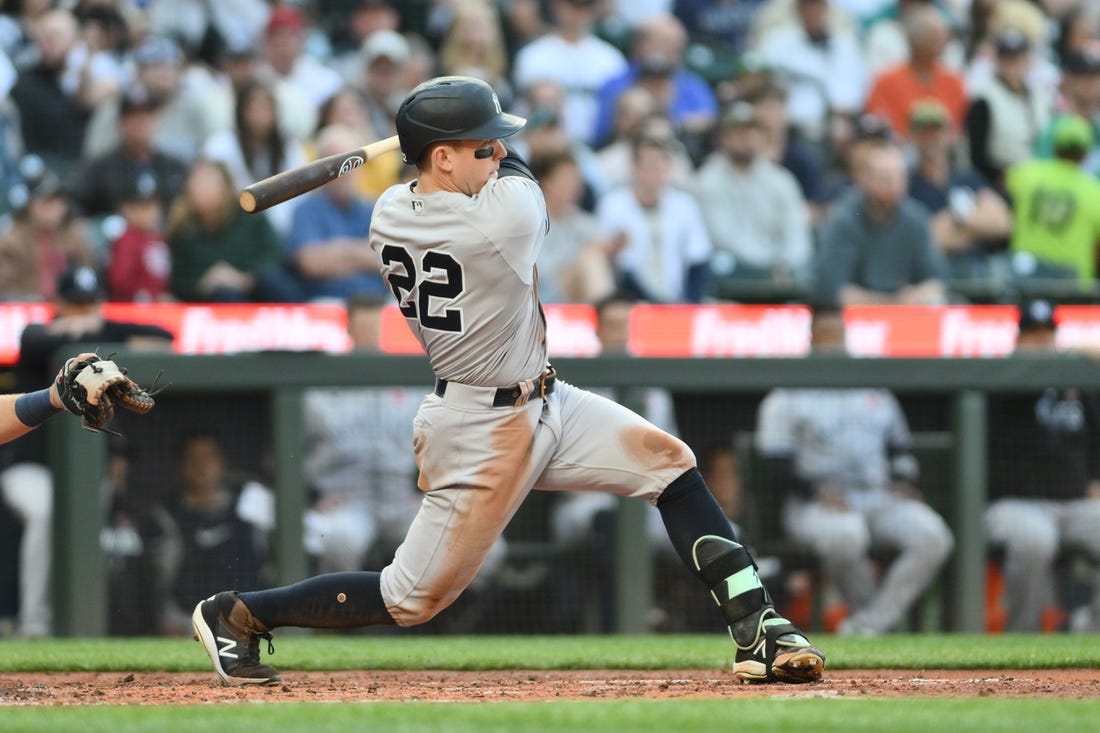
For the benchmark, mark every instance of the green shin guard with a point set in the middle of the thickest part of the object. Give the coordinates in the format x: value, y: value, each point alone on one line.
x: 769, y: 647
x: 729, y: 572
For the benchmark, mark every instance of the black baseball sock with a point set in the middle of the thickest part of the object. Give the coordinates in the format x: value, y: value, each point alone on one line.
x: 331, y: 601
x: 689, y: 512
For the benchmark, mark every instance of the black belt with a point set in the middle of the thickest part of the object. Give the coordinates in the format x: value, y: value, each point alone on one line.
x: 511, y: 396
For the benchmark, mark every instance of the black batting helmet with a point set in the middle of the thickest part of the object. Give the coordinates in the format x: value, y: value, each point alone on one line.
x: 451, y: 108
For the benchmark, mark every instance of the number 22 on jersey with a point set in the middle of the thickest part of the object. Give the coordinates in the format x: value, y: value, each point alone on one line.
x: 403, y: 276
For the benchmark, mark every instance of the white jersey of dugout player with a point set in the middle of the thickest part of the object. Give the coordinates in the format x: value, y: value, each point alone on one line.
x: 836, y: 436
x: 471, y: 261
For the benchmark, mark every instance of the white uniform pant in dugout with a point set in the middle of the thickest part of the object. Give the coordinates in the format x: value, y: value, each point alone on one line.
x: 28, y: 489
x: 477, y: 463
x: 1032, y: 532
x: 842, y: 540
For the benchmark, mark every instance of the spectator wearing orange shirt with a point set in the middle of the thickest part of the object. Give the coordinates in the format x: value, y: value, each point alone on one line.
x: 895, y: 90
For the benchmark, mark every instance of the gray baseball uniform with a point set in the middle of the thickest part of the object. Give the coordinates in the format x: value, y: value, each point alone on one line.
x: 462, y: 269
x: 459, y: 256
x: 839, y: 439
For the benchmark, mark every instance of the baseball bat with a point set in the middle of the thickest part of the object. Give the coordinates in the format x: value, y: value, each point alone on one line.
x: 296, y: 181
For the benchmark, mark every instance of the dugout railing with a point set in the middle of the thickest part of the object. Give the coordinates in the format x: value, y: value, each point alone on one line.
x: 278, y: 380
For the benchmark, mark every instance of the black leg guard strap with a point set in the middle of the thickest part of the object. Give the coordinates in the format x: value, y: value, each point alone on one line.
x: 728, y: 570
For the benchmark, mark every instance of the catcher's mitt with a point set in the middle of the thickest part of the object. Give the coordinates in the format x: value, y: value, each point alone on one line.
x: 91, y: 387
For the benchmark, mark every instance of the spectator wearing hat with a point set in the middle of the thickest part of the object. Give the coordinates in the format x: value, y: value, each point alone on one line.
x: 42, y: 237
x: 51, y: 115
x: 26, y: 482
x: 876, y: 246
x: 381, y: 82
x: 1079, y: 94
x: 285, y: 60
x: 1044, y: 482
x: 667, y: 250
x: 993, y: 19
x: 970, y: 220
x: 657, y: 64
x: 823, y: 63
x: 897, y: 88
x: 1056, y: 208
x: 140, y: 263
x: 1006, y: 115
x: 186, y: 113
x: 754, y: 211
x: 99, y: 184
x: 572, y: 55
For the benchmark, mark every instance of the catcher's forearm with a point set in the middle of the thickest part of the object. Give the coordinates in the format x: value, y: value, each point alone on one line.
x: 20, y: 414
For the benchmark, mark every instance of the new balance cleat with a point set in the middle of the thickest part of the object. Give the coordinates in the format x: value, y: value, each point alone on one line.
x: 231, y: 636
x: 780, y: 653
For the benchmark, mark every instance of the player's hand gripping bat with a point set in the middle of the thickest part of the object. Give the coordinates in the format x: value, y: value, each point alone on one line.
x: 296, y: 181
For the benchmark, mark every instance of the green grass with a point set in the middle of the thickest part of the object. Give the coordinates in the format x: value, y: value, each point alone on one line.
x: 403, y: 651
x: 844, y: 715
x: 804, y: 708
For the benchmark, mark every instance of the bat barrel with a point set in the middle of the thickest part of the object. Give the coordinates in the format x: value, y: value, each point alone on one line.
x: 296, y: 181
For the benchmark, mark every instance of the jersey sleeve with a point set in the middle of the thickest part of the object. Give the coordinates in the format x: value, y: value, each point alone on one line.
x: 512, y: 216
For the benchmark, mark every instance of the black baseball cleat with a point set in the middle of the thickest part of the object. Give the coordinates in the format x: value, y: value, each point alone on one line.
x: 231, y: 636
x: 780, y: 653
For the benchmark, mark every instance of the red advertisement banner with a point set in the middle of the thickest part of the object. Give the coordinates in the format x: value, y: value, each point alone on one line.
x: 930, y: 331
x: 721, y: 331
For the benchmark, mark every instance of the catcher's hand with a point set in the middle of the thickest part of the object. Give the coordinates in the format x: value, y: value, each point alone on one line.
x: 90, y: 387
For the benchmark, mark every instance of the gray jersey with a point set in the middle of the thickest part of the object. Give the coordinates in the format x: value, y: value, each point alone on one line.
x: 835, y: 436
x: 459, y: 266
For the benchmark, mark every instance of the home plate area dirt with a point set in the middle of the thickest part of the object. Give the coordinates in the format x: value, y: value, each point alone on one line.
x: 154, y: 688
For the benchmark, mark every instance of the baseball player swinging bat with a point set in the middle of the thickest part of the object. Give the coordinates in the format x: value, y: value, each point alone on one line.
x: 296, y: 181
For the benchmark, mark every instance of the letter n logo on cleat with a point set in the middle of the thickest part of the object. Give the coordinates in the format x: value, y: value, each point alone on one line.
x: 227, y: 645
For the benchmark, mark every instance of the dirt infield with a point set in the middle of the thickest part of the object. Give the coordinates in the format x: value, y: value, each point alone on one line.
x: 115, y: 688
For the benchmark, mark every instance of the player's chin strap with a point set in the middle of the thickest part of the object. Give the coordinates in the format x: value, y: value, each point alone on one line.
x: 730, y: 573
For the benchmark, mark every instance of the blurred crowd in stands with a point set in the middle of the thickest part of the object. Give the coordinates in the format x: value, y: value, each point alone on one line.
x: 833, y: 152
